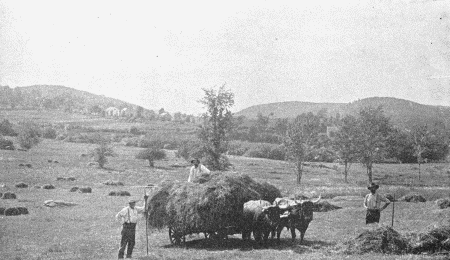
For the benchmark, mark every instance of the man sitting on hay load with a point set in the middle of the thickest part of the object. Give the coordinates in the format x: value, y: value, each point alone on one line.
x: 197, y: 170
x: 372, y: 202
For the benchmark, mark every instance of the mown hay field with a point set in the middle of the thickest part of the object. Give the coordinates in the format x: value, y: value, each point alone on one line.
x: 89, y: 230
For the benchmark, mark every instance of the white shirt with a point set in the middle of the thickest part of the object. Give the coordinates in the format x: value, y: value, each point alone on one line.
x: 195, y: 172
x: 373, y: 201
x: 129, y: 215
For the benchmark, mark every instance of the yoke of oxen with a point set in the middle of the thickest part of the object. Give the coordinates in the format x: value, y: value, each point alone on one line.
x: 284, y: 203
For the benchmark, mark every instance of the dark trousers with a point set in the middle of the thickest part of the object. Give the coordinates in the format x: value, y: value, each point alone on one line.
x: 128, y: 239
x: 372, y: 216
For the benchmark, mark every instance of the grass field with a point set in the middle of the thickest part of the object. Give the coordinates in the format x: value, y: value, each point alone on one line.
x: 89, y: 230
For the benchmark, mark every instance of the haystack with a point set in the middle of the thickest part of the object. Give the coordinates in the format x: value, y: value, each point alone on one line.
x: 380, y: 240
x: 12, y: 212
x: 113, y: 183
x: 73, y: 189
x: 443, y: 203
x: 209, y: 206
x: 413, y: 197
x: 325, y: 206
x: 48, y: 187
x: 85, y: 190
x: 23, y: 210
x: 119, y: 193
x: 21, y: 185
x: 2, y: 211
x: 9, y: 195
x: 434, y: 240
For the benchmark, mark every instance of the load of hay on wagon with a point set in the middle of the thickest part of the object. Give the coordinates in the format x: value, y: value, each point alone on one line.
x: 213, y: 205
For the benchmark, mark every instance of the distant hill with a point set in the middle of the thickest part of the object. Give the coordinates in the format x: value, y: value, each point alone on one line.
x: 402, y: 112
x: 78, y: 96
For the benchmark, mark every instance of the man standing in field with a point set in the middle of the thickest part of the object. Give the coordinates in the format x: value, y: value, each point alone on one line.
x: 197, y: 170
x: 372, y: 202
x: 128, y: 216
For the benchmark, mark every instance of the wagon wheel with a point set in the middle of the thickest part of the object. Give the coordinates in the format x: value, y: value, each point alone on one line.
x: 175, y: 236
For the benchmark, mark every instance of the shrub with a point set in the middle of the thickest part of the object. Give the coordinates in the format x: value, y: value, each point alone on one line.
x: 190, y: 149
x: 6, y: 128
x: 238, y: 148
x: 268, y: 151
x: 223, y: 161
x: 6, y: 144
x: 135, y: 131
x: 49, y: 133
x: 100, y: 153
x: 151, y: 155
x: 28, y: 135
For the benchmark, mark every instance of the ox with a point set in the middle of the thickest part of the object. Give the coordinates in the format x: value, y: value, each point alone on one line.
x: 297, y: 215
x: 261, y: 217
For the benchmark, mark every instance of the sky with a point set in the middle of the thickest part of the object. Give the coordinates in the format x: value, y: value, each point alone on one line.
x: 161, y: 54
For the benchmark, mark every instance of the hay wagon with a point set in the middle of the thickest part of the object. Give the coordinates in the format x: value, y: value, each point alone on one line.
x: 213, y: 207
x: 178, y: 235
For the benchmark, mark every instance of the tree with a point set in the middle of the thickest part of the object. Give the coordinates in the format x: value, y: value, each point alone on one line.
x: 374, y: 129
x: 151, y: 154
x: 300, y: 138
x: 344, y: 142
x: 139, y: 111
x: 217, y: 125
x: 281, y: 126
x: 28, y: 135
x: 262, y: 122
x: 6, y: 128
x: 420, y: 135
x: 101, y: 152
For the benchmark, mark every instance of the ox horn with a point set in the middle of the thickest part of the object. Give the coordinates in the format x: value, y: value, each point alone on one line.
x: 317, y: 200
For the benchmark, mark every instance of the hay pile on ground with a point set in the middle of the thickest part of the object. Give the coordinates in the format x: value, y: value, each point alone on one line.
x: 9, y: 195
x: 435, y: 240
x: 413, y: 197
x: 12, y: 212
x: 2, y: 211
x: 210, y: 206
x: 443, y: 203
x: 65, y: 178
x: 113, y: 183
x: 380, y: 240
x: 48, y: 187
x: 73, y: 189
x: 85, y: 190
x: 325, y: 206
x: 21, y: 185
x: 119, y: 193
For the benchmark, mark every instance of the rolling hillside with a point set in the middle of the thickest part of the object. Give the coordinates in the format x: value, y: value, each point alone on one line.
x: 77, y: 96
x: 402, y: 112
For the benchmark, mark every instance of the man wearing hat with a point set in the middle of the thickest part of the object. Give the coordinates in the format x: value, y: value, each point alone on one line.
x: 197, y: 169
x: 128, y: 216
x: 372, y: 202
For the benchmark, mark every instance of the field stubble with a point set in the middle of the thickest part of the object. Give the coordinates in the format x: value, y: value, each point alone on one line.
x: 89, y: 231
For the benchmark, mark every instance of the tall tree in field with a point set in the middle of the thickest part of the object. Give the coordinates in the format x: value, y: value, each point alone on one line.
x: 345, y: 142
x: 300, y: 138
x: 420, y: 135
x: 374, y: 129
x: 216, y: 125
